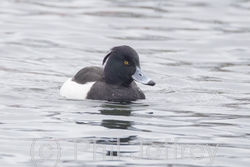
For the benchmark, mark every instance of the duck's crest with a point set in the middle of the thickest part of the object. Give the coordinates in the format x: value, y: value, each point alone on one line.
x: 106, y: 57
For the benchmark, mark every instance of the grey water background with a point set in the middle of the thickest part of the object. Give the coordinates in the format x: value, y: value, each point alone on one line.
x: 197, y: 51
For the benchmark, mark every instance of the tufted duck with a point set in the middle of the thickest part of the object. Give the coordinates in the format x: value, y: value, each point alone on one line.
x: 114, y: 83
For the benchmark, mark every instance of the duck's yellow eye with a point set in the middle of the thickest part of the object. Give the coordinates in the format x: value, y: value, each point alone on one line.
x: 126, y: 63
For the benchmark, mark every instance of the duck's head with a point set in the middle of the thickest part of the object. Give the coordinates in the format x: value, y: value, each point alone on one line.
x: 123, y: 66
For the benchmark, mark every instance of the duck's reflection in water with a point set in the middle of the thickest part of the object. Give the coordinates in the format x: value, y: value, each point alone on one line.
x: 123, y: 109
x: 117, y: 109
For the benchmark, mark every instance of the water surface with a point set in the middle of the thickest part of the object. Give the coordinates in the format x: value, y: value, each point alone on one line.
x: 196, y: 51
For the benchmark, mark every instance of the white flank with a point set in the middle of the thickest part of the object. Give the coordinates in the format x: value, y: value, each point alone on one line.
x: 72, y: 90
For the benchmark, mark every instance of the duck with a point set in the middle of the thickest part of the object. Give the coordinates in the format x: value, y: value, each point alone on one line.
x: 115, y: 82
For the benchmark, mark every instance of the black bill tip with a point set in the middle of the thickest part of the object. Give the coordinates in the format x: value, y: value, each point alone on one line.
x: 151, y: 83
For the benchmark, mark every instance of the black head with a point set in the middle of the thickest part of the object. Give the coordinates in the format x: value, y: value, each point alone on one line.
x: 123, y: 67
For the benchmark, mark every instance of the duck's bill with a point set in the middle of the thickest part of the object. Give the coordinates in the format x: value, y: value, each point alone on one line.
x: 140, y: 77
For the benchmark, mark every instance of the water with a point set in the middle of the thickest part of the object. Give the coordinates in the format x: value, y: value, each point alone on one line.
x: 196, y: 51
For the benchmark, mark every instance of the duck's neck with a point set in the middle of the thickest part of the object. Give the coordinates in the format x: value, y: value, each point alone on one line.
x: 116, y: 78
